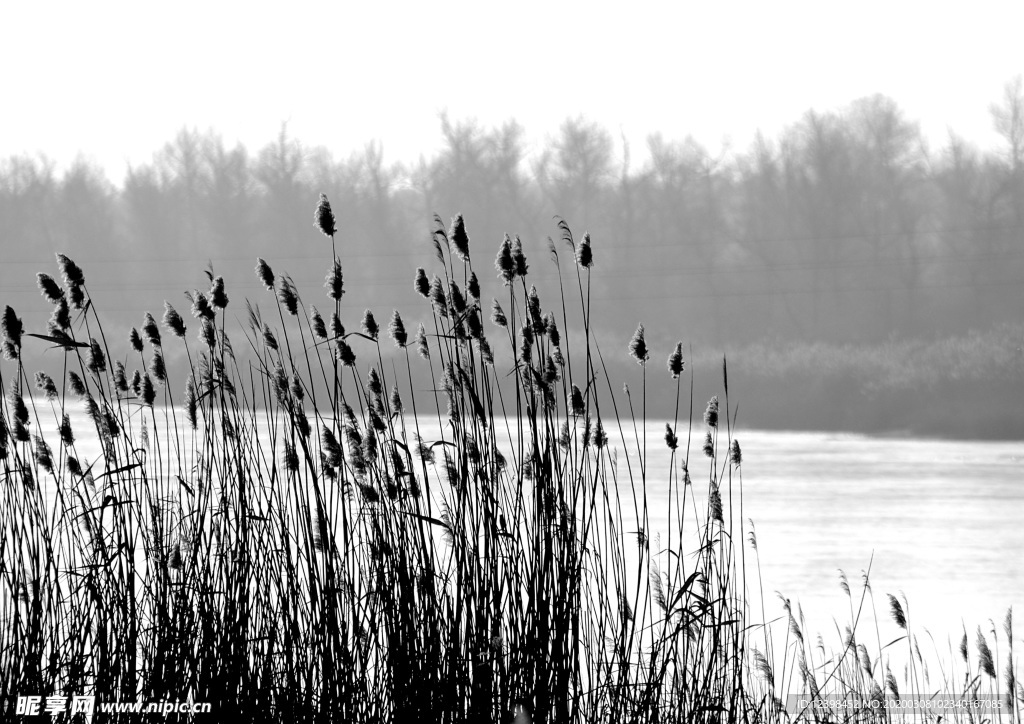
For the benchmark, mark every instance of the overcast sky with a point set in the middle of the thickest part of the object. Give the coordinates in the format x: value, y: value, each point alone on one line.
x: 117, y: 80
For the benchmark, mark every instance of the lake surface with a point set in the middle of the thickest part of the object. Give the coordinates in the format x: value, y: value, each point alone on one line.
x: 941, y: 521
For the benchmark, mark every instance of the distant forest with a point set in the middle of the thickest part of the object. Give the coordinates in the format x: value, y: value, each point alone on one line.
x: 848, y: 227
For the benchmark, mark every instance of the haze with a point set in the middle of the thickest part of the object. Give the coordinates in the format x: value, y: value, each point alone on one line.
x: 114, y: 81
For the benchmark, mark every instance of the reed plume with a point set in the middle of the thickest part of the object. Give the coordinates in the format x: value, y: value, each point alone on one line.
x: 323, y: 217
x: 638, y: 346
x: 584, y: 253
x: 459, y: 238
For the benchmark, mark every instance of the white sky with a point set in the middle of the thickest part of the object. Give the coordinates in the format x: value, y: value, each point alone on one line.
x: 117, y: 80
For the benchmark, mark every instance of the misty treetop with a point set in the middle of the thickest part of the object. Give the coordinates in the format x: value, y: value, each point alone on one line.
x: 846, y: 227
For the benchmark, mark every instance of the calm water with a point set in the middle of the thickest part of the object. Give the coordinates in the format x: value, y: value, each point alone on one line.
x: 944, y: 521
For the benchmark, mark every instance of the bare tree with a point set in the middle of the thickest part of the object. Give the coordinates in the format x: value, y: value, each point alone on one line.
x: 1008, y: 119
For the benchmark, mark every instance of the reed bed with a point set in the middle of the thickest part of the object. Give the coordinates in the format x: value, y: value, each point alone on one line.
x: 308, y: 518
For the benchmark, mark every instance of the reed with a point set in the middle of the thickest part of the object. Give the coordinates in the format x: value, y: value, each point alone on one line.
x: 329, y: 528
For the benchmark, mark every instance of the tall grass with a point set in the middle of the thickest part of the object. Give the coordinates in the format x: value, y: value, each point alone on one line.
x: 310, y: 518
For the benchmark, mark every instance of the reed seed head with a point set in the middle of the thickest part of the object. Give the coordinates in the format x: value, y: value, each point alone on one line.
x: 191, y: 402
x: 61, y: 317
x: 157, y: 367
x: 711, y: 412
x: 600, y: 436
x: 21, y: 431
x: 985, y: 659
x: 67, y: 435
x: 422, y: 348
x: 265, y: 274
x: 75, y: 384
x: 709, y: 445
x: 93, y: 411
x: 370, y: 446
x: 289, y: 458
x: 345, y: 354
x: 504, y: 262
x: 45, y: 384
x: 337, y: 328
x: 74, y: 280
x: 396, y: 329
x: 288, y: 296
x: 526, y: 343
x: 369, y: 325
x: 12, y: 329
x: 49, y: 288
x: 201, y: 308
x: 280, y: 383
x: 173, y: 321
x: 71, y: 272
x: 151, y: 331
x: 473, y: 286
x: 675, y: 361
x: 323, y: 217
x: 498, y: 315
x: 208, y: 333
x: 715, y: 504
x: 374, y: 384
x: 300, y: 421
x: 174, y: 561
x: 578, y: 406
x: 533, y: 307
x: 331, y: 448
x: 120, y: 380
x: 148, y: 390
x: 519, y: 258
x: 638, y: 346
x: 97, y: 360
x: 670, y: 437
x: 897, y: 611
x: 334, y: 282
x: 113, y: 428
x: 218, y: 296
x: 422, y: 284
x: 316, y: 322
x: 459, y: 238
x: 486, y: 353
x: 476, y: 327
x: 735, y: 454
x: 77, y: 297
x: 584, y: 254
x: 554, y: 336
x: 43, y: 454
x: 135, y: 340
x: 437, y: 297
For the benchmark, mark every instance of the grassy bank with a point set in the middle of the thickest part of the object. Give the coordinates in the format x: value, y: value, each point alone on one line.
x: 288, y: 544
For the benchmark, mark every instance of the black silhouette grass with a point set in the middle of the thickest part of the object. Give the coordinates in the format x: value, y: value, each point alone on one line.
x: 296, y: 519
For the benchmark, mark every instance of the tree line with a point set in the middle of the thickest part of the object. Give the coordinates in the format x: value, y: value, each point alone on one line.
x: 848, y: 226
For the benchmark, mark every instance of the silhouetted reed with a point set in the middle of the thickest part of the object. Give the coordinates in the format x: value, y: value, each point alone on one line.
x: 331, y: 537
